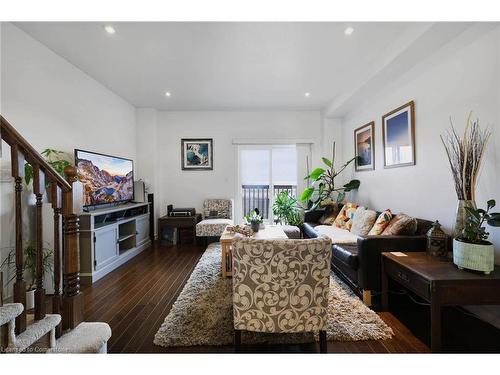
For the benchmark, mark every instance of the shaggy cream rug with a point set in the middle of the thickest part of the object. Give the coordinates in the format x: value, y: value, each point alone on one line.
x: 202, y: 315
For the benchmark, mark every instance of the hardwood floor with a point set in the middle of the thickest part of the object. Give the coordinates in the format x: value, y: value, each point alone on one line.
x: 135, y: 299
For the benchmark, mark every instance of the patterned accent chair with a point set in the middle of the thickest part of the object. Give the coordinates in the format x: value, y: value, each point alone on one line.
x: 281, y: 286
x: 217, y: 215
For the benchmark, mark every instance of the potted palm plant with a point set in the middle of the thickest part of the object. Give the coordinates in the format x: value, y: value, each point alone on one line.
x: 287, y: 210
x: 29, y: 266
x: 471, y: 249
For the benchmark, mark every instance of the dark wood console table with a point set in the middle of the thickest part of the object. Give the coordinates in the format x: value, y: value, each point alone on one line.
x: 186, y: 226
x: 440, y: 283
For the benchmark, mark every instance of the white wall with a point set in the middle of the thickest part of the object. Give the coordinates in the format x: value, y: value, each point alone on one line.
x: 449, y: 83
x: 53, y: 104
x: 190, y: 188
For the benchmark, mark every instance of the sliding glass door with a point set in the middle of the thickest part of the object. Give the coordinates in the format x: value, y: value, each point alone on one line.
x: 264, y: 172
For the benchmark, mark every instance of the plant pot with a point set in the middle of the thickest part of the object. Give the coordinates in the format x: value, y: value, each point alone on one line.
x: 255, y: 226
x: 461, y: 216
x: 473, y: 256
x: 30, y: 299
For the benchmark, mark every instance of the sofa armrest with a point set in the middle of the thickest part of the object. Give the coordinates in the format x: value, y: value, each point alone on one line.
x: 313, y: 216
x: 370, y: 249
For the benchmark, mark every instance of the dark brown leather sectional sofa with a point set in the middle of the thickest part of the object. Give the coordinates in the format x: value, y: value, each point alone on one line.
x: 360, y: 264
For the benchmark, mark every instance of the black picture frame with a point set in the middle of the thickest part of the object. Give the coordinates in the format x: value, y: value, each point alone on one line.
x: 188, y: 145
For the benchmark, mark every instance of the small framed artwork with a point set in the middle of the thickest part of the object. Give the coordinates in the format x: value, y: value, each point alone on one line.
x: 364, y: 147
x: 398, y: 135
x: 197, y: 154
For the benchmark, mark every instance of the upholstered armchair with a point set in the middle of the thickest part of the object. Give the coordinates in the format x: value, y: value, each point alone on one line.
x: 281, y: 286
x: 217, y: 215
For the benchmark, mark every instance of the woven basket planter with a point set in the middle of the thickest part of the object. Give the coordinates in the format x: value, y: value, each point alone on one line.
x: 473, y: 256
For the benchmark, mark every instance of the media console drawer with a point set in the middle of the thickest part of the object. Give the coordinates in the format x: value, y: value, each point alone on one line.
x: 407, y: 278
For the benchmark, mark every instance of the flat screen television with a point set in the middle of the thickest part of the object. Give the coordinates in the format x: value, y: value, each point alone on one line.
x: 106, y: 179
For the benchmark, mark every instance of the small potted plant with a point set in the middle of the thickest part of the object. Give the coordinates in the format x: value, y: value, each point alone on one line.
x: 472, y: 250
x: 254, y: 219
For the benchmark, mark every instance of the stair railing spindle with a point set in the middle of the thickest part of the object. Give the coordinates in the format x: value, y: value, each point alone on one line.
x: 56, y: 196
x: 39, y: 189
x: 17, y: 160
x: 72, y: 297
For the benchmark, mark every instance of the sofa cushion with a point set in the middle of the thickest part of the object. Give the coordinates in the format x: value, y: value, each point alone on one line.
x: 344, y: 218
x: 346, y: 253
x: 381, y: 223
x: 363, y: 221
x: 338, y: 235
x: 401, y: 225
x: 330, y: 214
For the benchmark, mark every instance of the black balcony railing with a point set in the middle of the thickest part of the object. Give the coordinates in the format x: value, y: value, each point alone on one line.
x: 259, y: 196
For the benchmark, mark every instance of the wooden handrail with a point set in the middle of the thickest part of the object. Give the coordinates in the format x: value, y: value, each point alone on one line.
x: 12, y: 137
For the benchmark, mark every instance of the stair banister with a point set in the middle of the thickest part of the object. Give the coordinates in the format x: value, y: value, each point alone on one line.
x: 71, y: 303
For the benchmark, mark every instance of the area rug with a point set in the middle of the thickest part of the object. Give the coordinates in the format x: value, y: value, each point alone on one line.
x: 202, y: 315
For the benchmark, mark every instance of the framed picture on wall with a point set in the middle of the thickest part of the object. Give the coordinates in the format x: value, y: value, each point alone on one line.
x: 197, y: 154
x: 398, y: 135
x: 364, y: 147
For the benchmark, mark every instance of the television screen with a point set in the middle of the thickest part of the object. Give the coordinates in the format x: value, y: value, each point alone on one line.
x: 105, y: 179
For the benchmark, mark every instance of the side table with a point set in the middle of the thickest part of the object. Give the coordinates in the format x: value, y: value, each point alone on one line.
x: 440, y: 283
x: 181, y: 223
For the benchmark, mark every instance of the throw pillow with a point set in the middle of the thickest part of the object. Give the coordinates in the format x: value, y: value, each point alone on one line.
x: 331, y: 212
x: 401, y: 225
x: 363, y: 221
x: 344, y: 218
x: 382, y: 222
x: 215, y: 214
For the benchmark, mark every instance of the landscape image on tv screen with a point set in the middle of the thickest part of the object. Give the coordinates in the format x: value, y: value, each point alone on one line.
x: 105, y: 179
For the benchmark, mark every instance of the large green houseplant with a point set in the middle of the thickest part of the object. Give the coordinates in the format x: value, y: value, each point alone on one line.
x: 323, y: 188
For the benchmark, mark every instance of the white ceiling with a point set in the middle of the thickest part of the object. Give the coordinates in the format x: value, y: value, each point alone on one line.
x: 214, y: 66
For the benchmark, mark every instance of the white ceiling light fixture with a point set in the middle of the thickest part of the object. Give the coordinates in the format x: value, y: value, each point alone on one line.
x: 110, y: 29
x: 349, y: 30
x: 307, y: 94
x: 168, y: 94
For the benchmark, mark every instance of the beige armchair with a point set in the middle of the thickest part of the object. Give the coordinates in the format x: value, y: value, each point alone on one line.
x: 217, y: 215
x: 281, y: 286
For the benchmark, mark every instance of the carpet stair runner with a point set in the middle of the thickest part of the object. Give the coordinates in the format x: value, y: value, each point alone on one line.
x: 85, y: 338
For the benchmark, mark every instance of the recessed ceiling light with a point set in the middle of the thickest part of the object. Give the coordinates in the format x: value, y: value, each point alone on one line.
x: 168, y: 94
x: 307, y: 94
x: 349, y: 30
x: 109, y: 29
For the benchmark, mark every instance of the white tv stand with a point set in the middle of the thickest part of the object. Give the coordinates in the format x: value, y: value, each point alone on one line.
x: 110, y: 237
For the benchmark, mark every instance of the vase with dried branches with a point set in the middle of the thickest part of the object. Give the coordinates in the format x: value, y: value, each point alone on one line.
x: 465, y: 154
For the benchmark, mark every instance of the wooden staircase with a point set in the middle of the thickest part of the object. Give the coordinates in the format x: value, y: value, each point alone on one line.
x: 65, y: 325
